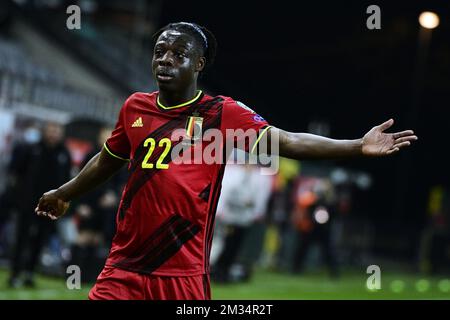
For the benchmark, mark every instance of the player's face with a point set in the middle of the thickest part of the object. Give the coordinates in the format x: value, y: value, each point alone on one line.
x: 53, y: 133
x: 176, y: 61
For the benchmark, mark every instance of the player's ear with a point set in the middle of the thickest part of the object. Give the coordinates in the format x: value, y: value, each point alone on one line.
x: 200, y: 64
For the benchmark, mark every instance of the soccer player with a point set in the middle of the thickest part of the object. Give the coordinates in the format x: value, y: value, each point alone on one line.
x: 165, y: 218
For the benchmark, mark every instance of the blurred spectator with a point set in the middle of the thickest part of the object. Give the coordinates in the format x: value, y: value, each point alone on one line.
x: 281, y: 237
x: 12, y: 179
x: 243, y: 200
x: 434, y: 252
x: 311, y: 217
x: 95, y: 219
x: 35, y: 168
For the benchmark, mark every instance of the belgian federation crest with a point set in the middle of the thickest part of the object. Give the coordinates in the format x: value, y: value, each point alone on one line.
x: 194, y: 128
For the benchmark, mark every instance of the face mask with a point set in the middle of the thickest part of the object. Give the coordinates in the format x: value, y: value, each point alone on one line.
x: 32, y: 135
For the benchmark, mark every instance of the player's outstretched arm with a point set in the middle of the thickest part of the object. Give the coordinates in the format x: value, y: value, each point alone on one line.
x: 375, y: 143
x: 55, y: 203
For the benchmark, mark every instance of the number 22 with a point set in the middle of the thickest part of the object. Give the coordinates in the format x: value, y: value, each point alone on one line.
x: 164, y: 142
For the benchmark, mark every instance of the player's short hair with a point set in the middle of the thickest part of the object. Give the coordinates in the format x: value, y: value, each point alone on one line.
x: 205, y: 39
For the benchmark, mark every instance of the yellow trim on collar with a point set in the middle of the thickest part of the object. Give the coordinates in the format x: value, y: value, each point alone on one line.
x: 180, y: 105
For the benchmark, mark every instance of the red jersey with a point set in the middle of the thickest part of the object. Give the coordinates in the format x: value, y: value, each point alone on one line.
x: 165, y: 219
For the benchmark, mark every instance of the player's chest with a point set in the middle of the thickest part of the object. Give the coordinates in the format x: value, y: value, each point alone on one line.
x: 142, y: 125
x: 148, y: 129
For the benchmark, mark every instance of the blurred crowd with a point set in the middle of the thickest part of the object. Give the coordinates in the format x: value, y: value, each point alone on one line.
x: 41, y: 161
x: 307, y: 217
x: 289, y: 222
x: 302, y: 219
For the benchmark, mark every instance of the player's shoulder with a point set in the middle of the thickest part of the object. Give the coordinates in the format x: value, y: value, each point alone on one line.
x: 231, y: 103
x: 137, y: 98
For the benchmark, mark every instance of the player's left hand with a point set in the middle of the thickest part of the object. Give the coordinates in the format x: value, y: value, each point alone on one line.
x: 378, y: 143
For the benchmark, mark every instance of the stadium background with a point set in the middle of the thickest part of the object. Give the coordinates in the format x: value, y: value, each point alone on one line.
x: 309, y: 67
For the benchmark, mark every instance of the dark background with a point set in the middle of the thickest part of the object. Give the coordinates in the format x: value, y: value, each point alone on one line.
x: 299, y: 62
x: 296, y: 62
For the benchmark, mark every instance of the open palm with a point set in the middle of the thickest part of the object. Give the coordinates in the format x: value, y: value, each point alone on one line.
x: 378, y: 143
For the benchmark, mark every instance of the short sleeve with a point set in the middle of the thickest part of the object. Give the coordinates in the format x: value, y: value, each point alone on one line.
x: 243, y: 125
x: 118, y: 144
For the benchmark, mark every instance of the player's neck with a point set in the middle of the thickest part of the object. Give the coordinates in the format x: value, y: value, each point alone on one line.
x: 172, y: 98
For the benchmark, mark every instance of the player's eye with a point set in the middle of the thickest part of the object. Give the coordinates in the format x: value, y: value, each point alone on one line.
x: 180, y: 55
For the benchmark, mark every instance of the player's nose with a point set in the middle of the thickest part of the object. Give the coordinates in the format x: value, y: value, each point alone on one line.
x: 166, y: 59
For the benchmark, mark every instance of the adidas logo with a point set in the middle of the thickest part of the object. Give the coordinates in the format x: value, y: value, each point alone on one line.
x: 138, y: 123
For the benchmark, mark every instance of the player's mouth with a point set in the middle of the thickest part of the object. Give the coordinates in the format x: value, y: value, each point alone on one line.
x: 164, y: 76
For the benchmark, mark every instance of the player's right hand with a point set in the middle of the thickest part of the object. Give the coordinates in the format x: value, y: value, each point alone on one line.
x: 51, y: 205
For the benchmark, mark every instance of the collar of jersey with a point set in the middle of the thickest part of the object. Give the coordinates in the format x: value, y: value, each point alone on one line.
x: 181, y: 104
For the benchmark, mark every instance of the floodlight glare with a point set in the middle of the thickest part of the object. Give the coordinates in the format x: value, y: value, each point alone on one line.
x: 429, y: 20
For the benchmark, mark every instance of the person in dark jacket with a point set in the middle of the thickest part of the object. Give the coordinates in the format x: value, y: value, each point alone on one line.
x: 95, y: 216
x: 42, y: 165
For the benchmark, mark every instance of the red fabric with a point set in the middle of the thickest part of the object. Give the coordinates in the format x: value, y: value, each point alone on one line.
x: 166, y: 216
x: 117, y: 284
x: 238, y: 116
